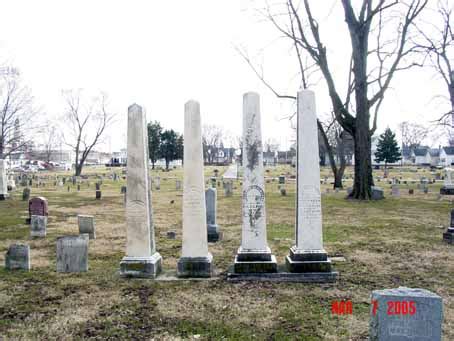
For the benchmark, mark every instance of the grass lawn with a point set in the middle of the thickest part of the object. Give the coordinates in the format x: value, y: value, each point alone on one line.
x: 386, y: 244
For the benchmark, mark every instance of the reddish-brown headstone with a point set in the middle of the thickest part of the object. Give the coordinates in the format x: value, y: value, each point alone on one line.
x: 38, y: 206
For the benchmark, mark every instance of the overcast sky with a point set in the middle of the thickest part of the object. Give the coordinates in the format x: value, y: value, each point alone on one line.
x: 160, y: 54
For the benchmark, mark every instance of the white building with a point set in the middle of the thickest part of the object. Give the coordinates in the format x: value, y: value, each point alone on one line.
x: 447, y: 156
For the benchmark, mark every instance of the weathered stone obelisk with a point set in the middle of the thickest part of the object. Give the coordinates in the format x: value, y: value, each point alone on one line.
x: 3, y: 181
x: 254, y: 255
x: 308, y: 255
x: 195, y: 259
x: 141, y: 258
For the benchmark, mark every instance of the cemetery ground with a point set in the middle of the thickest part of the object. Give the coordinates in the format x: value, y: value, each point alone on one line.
x: 375, y: 245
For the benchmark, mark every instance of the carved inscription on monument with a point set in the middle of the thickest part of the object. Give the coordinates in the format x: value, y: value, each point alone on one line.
x: 192, y: 201
x: 309, y: 204
x: 253, y: 204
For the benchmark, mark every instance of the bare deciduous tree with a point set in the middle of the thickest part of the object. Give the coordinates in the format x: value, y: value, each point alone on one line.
x: 366, y: 85
x: 50, y: 138
x: 17, y: 113
x: 211, y: 139
x: 88, y: 121
x: 436, y: 42
x: 413, y: 134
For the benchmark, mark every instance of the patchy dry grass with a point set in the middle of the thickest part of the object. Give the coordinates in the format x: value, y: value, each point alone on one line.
x: 395, y: 242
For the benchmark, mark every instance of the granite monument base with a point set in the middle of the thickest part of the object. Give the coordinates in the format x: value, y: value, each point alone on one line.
x: 447, y: 190
x: 254, y: 262
x: 141, y: 267
x: 313, y: 261
x: 195, y: 266
x: 214, y: 235
x: 282, y: 275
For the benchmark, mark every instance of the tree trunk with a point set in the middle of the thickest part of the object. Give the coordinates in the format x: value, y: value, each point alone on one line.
x: 167, y: 164
x: 363, y: 166
x: 152, y: 164
x: 78, y: 170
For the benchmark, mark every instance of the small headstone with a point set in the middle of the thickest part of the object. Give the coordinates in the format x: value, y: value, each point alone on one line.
x: 26, y: 194
x: 157, y: 183
x: 38, y: 206
x: 282, y: 179
x: 38, y: 225
x: 18, y: 257
x: 405, y: 314
x: 212, y: 227
x: 395, y: 192
x: 377, y: 193
x: 411, y: 191
x: 283, y: 192
x: 171, y: 234
x: 448, y: 236
x: 72, y: 253
x: 87, y: 225
x: 228, y: 190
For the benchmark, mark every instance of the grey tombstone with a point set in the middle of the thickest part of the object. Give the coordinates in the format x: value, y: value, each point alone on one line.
x: 38, y: 226
x: 72, y: 253
x: 283, y: 192
x: 87, y: 225
x: 171, y: 234
x: 411, y: 191
x: 157, y: 183
x: 377, y: 193
x: 395, y: 192
x: 282, y: 179
x: 18, y: 257
x: 212, y: 227
x: 405, y: 314
x: 26, y: 194
x: 448, y: 236
x: 228, y: 189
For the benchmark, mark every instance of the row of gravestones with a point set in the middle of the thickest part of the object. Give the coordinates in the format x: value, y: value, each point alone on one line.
x: 307, y: 261
x: 418, y: 312
x: 72, y: 251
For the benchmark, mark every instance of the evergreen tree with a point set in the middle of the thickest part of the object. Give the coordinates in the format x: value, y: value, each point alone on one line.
x: 169, y: 146
x: 387, y: 148
x: 154, y: 141
x: 180, y: 147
